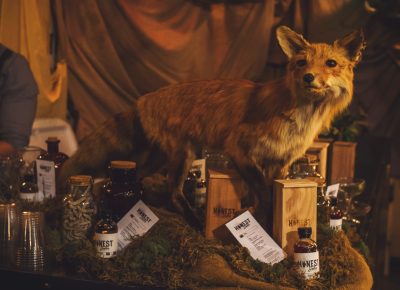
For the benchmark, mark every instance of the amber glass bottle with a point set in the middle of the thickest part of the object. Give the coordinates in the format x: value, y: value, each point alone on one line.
x: 28, y: 189
x: 53, y: 153
x: 106, y: 235
x: 122, y: 190
x: 306, y: 256
x: 335, y: 215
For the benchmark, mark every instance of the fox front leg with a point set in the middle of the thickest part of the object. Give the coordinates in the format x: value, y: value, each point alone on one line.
x: 259, y: 186
x: 179, y: 165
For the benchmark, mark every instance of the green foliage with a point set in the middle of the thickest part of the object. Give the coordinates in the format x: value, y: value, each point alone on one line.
x: 347, y: 126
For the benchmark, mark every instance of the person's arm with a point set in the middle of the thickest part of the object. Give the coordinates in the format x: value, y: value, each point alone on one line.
x: 18, y: 98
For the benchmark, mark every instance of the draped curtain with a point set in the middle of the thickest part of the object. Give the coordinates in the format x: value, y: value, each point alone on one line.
x: 26, y: 27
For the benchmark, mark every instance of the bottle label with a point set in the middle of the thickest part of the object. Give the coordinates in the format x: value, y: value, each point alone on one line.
x: 46, y: 175
x: 106, y: 244
x: 308, y: 264
x: 28, y: 196
x: 335, y: 224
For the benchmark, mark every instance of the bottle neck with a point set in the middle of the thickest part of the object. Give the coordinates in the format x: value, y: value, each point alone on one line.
x: 123, y: 176
x: 52, y: 147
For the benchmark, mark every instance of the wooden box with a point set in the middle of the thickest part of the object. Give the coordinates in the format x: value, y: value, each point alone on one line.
x: 319, y: 149
x: 341, y: 160
x: 295, y: 205
x: 224, y: 193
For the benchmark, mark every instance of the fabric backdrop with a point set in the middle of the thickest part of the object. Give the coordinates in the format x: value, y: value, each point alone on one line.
x: 119, y: 50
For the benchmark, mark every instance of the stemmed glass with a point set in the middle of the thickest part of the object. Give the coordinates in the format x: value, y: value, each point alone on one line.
x: 350, y: 188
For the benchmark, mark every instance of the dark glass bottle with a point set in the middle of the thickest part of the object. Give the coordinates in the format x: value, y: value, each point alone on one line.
x: 106, y: 235
x: 121, y: 191
x: 335, y: 215
x: 306, y: 256
x: 28, y: 189
x: 53, y: 153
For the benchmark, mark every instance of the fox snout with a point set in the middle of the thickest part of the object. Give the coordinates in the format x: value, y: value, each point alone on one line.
x: 308, y: 78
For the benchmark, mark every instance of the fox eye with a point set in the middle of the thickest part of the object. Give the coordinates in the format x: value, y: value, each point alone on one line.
x: 301, y: 62
x: 331, y: 63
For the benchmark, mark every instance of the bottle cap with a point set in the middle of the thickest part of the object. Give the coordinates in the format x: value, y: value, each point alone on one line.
x: 52, y: 139
x: 123, y: 164
x: 304, y: 232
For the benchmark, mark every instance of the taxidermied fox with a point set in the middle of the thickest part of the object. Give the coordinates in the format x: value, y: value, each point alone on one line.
x: 263, y: 128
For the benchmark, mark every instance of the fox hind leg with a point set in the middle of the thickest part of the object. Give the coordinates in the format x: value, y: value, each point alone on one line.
x: 180, y: 162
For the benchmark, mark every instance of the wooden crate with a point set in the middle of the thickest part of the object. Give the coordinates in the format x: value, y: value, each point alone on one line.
x: 224, y: 193
x: 319, y: 149
x: 295, y: 205
x: 341, y: 160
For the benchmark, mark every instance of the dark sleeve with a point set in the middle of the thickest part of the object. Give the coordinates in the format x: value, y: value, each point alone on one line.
x: 18, y: 98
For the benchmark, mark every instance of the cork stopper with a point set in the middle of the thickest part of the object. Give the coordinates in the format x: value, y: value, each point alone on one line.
x: 80, y: 180
x: 122, y: 164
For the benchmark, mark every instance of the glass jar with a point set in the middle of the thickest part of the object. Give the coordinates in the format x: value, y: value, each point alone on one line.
x: 79, y: 208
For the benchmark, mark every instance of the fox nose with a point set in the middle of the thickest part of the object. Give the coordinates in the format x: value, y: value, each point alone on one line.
x: 308, y: 78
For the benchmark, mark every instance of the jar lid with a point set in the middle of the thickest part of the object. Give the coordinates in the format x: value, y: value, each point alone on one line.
x: 123, y: 164
x: 80, y: 179
x: 304, y: 231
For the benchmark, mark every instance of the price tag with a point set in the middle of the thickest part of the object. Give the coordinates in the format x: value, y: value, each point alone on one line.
x: 136, y: 222
x: 46, y: 179
x: 251, y: 235
x: 332, y: 190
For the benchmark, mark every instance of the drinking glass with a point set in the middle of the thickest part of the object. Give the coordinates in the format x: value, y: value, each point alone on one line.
x: 348, y: 189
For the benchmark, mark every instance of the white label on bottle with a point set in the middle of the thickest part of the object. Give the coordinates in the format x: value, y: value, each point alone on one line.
x: 199, y: 164
x: 106, y: 245
x: 332, y: 191
x: 335, y: 224
x: 136, y: 222
x: 46, y: 175
x: 307, y: 263
x: 28, y: 196
x: 252, y: 236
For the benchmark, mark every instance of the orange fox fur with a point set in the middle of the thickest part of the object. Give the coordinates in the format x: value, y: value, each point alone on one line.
x: 263, y: 128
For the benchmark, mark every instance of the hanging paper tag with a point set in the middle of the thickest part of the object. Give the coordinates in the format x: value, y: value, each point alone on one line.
x: 136, y: 222
x: 332, y: 190
x: 46, y: 179
x: 252, y: 236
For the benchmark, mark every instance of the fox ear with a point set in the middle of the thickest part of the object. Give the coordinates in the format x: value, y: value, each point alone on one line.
x: 290, y: 41
x: 354, y: 44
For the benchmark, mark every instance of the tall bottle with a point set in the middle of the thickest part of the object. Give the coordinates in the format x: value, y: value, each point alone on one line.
x: 121, y: 191
x: 48, y: 167
x: 306, y: 256
x: 335, y: 215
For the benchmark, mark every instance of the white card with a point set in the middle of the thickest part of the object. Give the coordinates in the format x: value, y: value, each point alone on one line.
x: 136, y: 222
x: 46, y: 179
x: 332, y: 190
x: 252, y: 236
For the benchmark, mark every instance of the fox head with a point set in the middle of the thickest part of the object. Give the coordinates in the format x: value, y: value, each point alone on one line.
x: 318, y: 70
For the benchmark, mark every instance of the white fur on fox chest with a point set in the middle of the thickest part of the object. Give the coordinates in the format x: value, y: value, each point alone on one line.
x: 288, y: 144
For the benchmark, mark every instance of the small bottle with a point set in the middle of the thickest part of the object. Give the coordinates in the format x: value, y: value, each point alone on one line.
x: 306, y: 255
x: 28, y: 189
x: 106, y: 236
x: 121, y: 191
x: 48, y: 167
x: 335, y: 215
